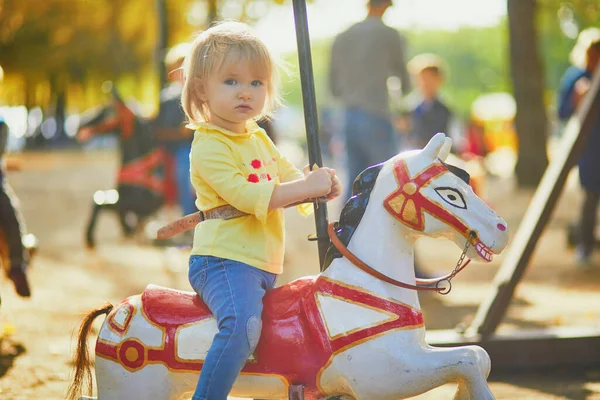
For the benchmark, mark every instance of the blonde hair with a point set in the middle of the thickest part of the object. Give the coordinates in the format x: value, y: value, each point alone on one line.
x: 1, y: 75
x: 224, y: 44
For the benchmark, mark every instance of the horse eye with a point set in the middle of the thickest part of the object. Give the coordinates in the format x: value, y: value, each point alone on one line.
x: 452, y: 197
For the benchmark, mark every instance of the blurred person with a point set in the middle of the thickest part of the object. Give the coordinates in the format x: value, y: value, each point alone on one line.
x: 585, y: 58
x: 12, y: 223
x: 430, y: 115
x: 170, y: 129
x: 231, y: 81
x: 362, y: 59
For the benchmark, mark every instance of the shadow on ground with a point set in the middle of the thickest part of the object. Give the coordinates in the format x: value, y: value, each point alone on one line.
x: 9, y: 352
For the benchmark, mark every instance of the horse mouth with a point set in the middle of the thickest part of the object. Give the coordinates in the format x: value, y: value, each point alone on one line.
x: 484, y: 251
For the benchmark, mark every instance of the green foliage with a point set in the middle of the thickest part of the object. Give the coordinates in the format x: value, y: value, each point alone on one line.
x: 72, y: 46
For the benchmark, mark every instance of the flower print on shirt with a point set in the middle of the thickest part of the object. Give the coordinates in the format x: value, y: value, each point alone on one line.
x: 256, y: 164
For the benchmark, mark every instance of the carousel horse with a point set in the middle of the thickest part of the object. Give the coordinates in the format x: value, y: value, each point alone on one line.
x: 145, y: 179
x: 354, y: 331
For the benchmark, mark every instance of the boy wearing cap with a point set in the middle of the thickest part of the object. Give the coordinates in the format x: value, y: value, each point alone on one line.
x: 431, y: 115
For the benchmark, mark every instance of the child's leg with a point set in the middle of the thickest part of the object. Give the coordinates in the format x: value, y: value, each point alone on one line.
x: 233, y: 291
x: 12, y: 225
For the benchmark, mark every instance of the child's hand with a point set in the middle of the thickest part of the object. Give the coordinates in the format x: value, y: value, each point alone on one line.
x: 318, y: 183
x: 306, y: 170
x: 336, y: 186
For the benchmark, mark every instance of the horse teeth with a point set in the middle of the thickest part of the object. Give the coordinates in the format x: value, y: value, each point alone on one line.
x: 483, y: 251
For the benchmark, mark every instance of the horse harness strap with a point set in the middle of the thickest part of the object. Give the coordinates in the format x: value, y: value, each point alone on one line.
x: 191, y: 220
x: 373, y: 272
x: 222, y: 212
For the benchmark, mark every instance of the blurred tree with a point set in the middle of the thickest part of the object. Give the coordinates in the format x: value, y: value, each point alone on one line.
x: 52, y: 46
x: 528, y: 88
x: 60, y: 51
x: 557, y: 23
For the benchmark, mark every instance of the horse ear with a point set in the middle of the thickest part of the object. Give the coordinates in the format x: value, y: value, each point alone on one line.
x: 445, y: 151
x: 433, y: 148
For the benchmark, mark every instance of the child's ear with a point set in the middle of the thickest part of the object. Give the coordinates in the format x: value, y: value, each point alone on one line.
x: 200, y: 89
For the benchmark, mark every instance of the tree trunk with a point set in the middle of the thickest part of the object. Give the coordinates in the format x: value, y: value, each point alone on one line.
x: 212, y: 12
x: 528, y: 87
x: 162, y: 41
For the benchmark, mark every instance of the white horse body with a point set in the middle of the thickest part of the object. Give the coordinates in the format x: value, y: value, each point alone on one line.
x: 384, y: 365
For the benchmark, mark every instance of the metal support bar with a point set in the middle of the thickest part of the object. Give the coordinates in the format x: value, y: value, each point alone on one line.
x: 296, y: 392
x: 493, y: 308
x: 310, y: 116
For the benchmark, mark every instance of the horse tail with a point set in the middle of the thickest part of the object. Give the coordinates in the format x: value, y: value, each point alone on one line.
x: 83, y: 373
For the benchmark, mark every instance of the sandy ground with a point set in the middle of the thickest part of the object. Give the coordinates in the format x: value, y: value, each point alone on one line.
x: 67, y: 279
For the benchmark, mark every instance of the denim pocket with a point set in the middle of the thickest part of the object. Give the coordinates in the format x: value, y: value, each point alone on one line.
x: 197, y: 272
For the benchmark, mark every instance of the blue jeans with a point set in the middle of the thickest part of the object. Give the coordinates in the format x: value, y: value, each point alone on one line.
x: 233, y: 291
x: 370, y: 139
x: 185, y: 192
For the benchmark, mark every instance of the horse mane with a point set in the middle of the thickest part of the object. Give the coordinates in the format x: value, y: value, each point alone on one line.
x: 353, y: 210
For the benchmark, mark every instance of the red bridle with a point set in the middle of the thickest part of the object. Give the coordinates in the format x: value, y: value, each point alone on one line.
x: 408, y: 205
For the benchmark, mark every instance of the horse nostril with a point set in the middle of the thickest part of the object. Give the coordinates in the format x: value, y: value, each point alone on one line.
x: 501, y: 227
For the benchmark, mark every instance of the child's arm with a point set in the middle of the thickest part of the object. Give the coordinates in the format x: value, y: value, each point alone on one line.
x: 288, y: 173
x: 316, y: 184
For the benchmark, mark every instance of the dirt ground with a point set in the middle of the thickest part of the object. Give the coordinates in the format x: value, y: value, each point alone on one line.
x: 56, y: 193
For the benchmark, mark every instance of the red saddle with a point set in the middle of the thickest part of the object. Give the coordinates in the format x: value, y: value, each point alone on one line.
x: 170, y: 307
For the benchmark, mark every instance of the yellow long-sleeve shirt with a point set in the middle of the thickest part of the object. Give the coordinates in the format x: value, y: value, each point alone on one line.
x: 241, y: 170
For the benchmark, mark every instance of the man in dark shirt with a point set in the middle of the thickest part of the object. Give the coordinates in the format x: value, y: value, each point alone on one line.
x: 363, y: 58
x: 11, y: 222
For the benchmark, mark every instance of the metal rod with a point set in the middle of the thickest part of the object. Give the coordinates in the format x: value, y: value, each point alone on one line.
x: 310, y: 116
x: 296, y: 392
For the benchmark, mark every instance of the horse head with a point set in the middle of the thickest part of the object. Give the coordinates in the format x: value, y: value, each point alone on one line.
x: 426, y: 196
x: 416, y: 194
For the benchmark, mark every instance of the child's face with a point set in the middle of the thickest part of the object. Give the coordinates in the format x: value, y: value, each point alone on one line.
x: 234, y: 94
x: 429, y: 83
